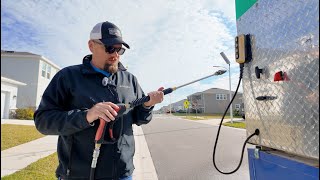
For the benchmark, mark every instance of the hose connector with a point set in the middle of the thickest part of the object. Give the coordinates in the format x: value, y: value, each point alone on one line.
x: 257, y: 132
x: 95, y: 155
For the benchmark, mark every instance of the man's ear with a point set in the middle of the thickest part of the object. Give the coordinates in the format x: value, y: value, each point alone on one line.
x: 90, y: 45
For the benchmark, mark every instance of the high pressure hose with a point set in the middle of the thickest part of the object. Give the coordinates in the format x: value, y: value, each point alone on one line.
x: 257, y: 132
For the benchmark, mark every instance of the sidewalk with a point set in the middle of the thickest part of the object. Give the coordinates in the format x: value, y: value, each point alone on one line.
x: 19, y: 157
x: 216, y: 122
x: 17, y: 121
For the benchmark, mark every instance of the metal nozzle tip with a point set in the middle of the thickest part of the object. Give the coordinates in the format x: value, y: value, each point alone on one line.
x: 222, y: 71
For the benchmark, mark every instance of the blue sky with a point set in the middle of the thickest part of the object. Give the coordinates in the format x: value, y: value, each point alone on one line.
x: 172, y: 42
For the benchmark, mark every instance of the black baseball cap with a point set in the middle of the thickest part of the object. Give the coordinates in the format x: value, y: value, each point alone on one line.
x: 108, y: 33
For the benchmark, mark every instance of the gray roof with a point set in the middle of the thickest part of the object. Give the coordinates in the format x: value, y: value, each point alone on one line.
x: 213, y: 91
x: 11, y: 81
x: 18, y: 53
x: 179, y: 102
x: 27, y: 54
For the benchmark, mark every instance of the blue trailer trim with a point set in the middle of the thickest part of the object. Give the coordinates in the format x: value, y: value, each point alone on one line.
x: 271, y: 166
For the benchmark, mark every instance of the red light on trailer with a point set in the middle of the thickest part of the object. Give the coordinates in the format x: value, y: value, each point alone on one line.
x: 278, y: 76
x: 281, y: 76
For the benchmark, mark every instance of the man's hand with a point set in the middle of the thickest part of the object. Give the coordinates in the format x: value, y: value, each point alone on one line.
x: 155, y: 97
x: 104, y: 110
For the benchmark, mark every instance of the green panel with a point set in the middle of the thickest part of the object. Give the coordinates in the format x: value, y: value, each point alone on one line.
x: 242, y: 6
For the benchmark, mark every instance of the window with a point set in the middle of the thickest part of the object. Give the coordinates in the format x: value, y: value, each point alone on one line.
x: 221, y: 97
x: 44, y: 67
x: 237, y: 106
x: 46, y: 70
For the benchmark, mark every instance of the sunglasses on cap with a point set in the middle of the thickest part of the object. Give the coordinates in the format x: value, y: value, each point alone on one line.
x: 111, y: 49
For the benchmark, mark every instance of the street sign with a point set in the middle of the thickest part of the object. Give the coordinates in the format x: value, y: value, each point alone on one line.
x: 186, y: 104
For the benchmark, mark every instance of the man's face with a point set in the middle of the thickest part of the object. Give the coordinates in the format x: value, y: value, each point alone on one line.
x: 102, y: 59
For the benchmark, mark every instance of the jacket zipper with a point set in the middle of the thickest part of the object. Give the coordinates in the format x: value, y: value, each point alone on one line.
x: 70, y: 157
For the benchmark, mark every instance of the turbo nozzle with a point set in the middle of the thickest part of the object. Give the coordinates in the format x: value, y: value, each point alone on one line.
x: 219, y: 72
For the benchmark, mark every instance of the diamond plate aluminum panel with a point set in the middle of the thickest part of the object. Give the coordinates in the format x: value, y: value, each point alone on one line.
x: 285, y: 37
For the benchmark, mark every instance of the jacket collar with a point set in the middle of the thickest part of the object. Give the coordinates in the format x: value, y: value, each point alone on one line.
x: 87, y: 68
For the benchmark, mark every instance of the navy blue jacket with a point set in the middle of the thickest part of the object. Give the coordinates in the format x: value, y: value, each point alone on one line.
x: 62, y: 111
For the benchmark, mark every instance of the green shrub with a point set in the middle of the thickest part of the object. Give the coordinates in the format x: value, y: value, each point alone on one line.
x: 236, y: 112
x: 24, y: 113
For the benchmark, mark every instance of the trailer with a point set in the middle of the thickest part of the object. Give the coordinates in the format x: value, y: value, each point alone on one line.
x: 278, y: 42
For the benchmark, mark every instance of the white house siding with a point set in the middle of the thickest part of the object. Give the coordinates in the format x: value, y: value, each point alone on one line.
x: 43, y: 82
x: 24, y: 70
x: 9, y: 94
x: 219, y: 106
x: 27, y: 69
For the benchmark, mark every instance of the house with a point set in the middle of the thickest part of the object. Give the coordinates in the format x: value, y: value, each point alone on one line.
x: 34, y: 70
x: 214, y: 100
x: 175, y: 107
x: 211, y: 101
x: 165, y: 109
x: 178, y: 106
x: 9, y: 92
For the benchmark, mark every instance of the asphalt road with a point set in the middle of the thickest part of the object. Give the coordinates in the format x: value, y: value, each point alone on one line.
x: 182, y: 149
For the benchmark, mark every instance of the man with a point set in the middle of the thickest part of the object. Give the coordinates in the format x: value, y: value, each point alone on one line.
x: 79, y: 95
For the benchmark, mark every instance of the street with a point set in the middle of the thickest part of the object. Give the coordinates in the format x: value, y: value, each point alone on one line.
x: 182, y: 149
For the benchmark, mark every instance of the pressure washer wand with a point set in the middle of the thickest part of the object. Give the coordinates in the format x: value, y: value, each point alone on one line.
x: 122, y: 108
x: 219, y: 72
x: 170, y: 90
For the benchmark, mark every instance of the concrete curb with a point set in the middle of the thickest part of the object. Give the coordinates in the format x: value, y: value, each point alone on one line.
x: 142, y: 160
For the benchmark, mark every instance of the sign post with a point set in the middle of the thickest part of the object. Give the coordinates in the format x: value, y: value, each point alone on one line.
x: 186, y: 105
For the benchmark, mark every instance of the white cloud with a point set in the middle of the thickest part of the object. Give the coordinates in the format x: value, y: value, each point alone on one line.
x: 172, y: 42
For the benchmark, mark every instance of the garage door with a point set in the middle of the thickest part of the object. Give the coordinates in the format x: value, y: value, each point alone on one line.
x: 3, y: 100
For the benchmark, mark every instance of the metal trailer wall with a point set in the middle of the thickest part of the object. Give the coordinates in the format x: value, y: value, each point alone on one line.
x: 285, y: 37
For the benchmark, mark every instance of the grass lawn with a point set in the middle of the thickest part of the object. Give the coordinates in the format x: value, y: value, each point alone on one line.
x: 43, y: 169
x: 194, y: 116
x: 235, y: 124
x: 13, y: 135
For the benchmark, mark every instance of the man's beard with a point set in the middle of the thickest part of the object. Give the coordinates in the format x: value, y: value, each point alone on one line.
x: 111, y: 68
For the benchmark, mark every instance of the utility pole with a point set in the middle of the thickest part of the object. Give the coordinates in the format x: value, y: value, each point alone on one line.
x: 230, y: 94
